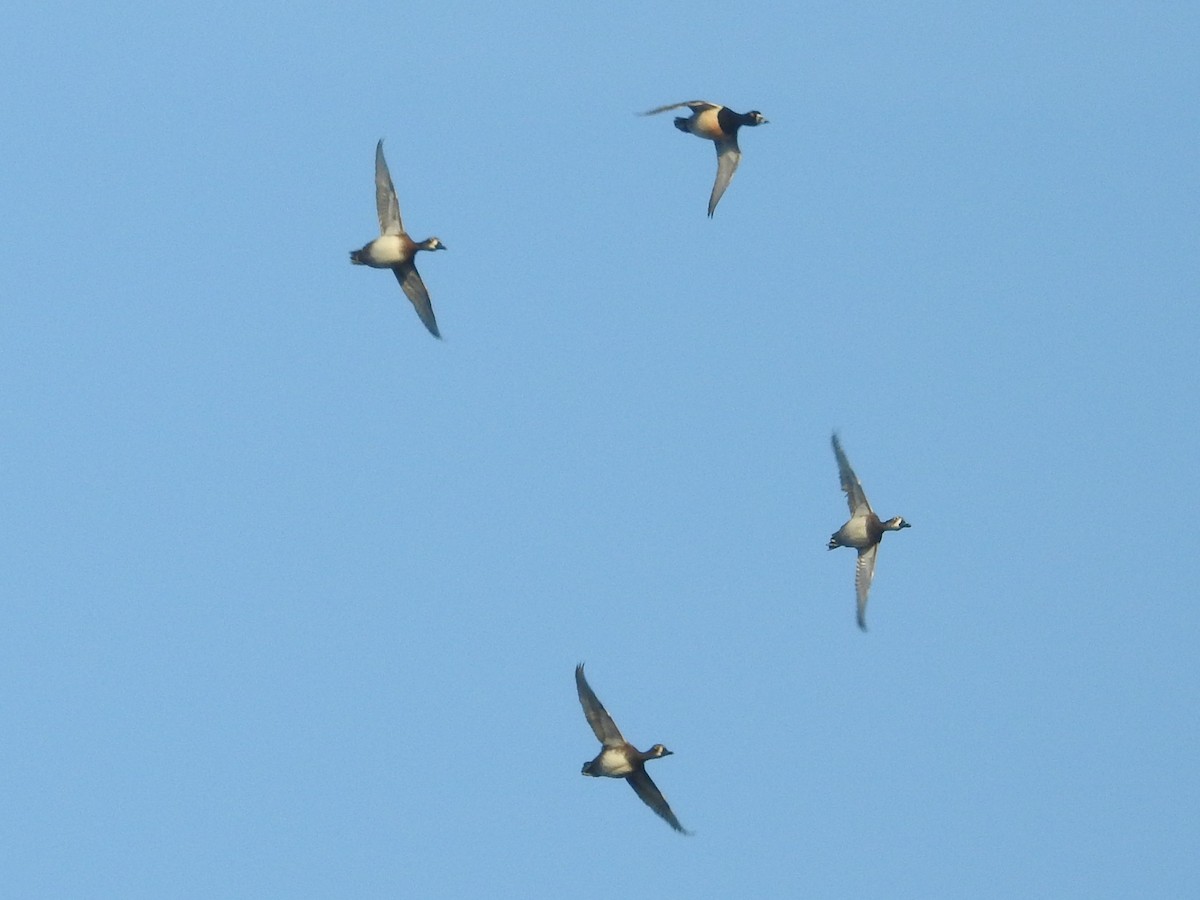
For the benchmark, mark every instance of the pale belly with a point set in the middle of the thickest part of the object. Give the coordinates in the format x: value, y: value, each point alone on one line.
x: 854, y: 533
x: 613, y: 764
x: 706, y: 125
x: 384, y: 252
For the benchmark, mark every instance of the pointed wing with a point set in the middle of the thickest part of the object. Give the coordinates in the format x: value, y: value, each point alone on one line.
x: 653, y: 798
x: 855, y: 496
x: 728, y: 157
x: 863, y: 573
x: 602, y: 724
x: 414, y: 287
x: 694, y: 105
x: 386, y: 203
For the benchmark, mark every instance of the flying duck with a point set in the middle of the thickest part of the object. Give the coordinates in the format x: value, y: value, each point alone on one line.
x: 394, y: 249
x: 863, y: 531
x: 619, y: 758
x: 720, y: 125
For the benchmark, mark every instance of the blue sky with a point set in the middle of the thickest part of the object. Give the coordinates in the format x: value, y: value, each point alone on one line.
x: 293, y: 592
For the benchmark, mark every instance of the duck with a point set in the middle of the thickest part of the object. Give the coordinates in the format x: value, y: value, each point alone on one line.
x: 863, y: 531
x: 720, y: 125
x: 394, y: 249
x: 619, y: 758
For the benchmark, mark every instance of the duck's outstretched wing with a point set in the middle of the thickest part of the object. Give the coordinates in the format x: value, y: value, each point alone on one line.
x: 602, y: 723
x: 728, y: 157
x: 694, y: 105
x: 386, y: 203
x: 864, y: 571
x: 414, y: 289
x: 856, y: 498
x: 653, y: 798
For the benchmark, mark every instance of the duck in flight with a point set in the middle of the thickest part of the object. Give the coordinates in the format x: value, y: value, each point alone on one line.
x: 863, y: 531
x: 620, y: 759
x: 394, y: 249
x: 720, y: 125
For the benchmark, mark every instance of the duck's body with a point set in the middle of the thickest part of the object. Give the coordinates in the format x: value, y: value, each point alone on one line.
x: 863, y: 531
x: 720, y: 125
x: 394, y: 249
x: 614, y: 762
x: 388, y: 251
x: 619, y: 758
x: 860, y: 533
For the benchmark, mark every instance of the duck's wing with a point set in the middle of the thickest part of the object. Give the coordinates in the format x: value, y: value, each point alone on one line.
x: 694, y: 105
x: 863, y: 573
x: 856, y: 498
x: 728, y: 157
x: 653, y: 798
x: 414, y: 288
x: 386, y: 203
x: 602, y: 723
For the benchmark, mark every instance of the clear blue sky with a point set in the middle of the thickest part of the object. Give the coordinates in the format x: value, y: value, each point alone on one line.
x: 292, y: 592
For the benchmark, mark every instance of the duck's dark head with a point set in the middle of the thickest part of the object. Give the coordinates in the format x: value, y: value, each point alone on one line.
x: 754, y: 117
